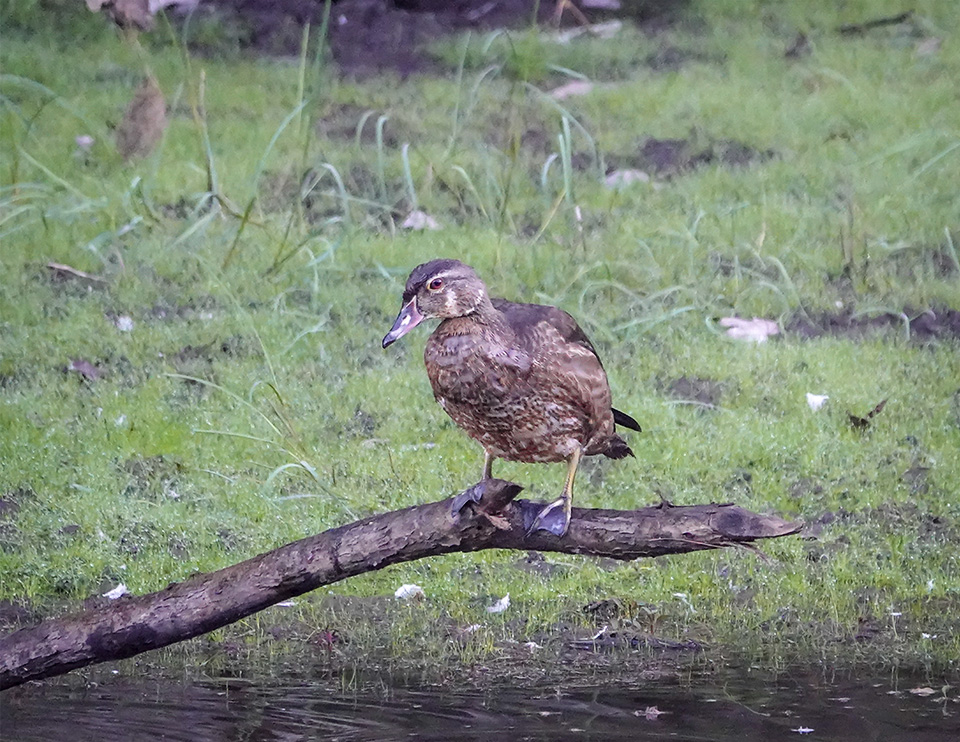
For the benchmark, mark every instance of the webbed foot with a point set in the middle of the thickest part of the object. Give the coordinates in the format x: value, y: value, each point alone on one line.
x: 472, y: 494
x: 554, y: 518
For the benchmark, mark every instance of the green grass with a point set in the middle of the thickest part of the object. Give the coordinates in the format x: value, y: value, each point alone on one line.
x: 278, y: 298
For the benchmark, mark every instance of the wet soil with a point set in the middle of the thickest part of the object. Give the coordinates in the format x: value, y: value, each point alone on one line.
x: 705, y: 392
x: 665, y: 157
x: 931, y: 324
x: 368, y: 37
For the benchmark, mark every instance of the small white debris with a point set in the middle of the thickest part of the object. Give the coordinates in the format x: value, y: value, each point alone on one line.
x: 410, y: 592
x: 802, y: 730
x: 182, y: 6
x: 84, y: 142
x: 286, y: 603
x: 756, y: 329
x: 577, y: 87
x: 606, y: 30
x: 374, y: 442
x: 123, y: 323
x: 601, y: 4
x: 418, y: 446
x: 500, y: 606
x: 923, y: 692
x: 686, y: 601
x: 925, y: 635
x: 928, y: 47
x: 650, y: 713
x: 600, y: 633
x: 816, y: 401
x: 419, y: 221
x: 118, y: 592
x: 121, y: 419
x: 532, y: 646
x: 129, y: 226
x: 930, y: 586
x: 622, y: 178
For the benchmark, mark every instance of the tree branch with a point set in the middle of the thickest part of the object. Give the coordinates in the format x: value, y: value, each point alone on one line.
x: 483, y: 517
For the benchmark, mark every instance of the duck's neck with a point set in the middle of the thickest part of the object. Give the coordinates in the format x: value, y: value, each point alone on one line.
x: 486, y: 320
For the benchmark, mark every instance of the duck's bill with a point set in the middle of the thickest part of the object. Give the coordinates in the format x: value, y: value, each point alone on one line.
x: 408, y: 318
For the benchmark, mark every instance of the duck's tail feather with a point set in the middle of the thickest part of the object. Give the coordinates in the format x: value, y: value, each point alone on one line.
x: 617, y: 448
x: 625, y: 421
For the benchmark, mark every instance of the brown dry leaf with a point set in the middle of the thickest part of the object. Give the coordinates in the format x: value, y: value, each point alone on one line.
x: 419, y: 221
x: 622, y: 178
x: 862, y: 423
x: 928, y: 47
x: 756, y: 329
x: 577, y: 87
x: 63, y: 272
x: 126, y: 13
x: 86, y: 369
x: 144, y: 121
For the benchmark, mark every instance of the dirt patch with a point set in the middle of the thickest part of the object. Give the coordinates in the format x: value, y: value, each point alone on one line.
x: 665, y: 158
x: 171, y: 311
x: 369, y: 37
x: 152, y: 477
x: 931, y: 324
x: 705, y: 392
x: 610, y: 641
x: 15, y: 615
x: 671, y: 156
x: 535, y: 563
x: 920, y: 264
x: 349, y: 121
x: 10, y: 503
x: 669, y: 58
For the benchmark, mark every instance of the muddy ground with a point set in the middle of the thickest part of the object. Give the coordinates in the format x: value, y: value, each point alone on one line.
x: 367, y: 37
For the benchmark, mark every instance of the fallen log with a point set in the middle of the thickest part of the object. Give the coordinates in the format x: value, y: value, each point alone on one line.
x: 486, y: 516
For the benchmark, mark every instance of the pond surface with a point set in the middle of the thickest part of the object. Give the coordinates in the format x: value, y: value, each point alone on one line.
x: 737, y: 705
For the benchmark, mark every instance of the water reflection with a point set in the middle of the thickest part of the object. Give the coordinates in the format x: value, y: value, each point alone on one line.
x: 738, y: 706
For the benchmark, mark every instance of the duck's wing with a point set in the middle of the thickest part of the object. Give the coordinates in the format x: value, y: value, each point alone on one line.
x: 564, y: 360
x: 524, y: 319
x: 527, y: 321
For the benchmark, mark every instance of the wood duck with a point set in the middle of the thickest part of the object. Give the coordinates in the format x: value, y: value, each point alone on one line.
x: 522, y: 379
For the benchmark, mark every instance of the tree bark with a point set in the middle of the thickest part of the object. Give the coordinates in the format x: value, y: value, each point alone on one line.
x: 483, y: 517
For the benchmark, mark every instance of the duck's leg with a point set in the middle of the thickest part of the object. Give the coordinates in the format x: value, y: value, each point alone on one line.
x: 555, y: 517
x: 475, y: 493
x: 488, y: 459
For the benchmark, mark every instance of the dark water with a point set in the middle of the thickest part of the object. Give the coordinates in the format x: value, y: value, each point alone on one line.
x: 735, y: 706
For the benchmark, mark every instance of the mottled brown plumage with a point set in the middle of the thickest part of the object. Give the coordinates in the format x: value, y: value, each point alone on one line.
x: 522, y: 379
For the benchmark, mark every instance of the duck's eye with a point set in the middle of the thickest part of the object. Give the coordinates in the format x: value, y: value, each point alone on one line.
x: 436, y: 284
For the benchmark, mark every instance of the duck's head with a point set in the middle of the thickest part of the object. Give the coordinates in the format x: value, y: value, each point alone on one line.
x: 441, y: 288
